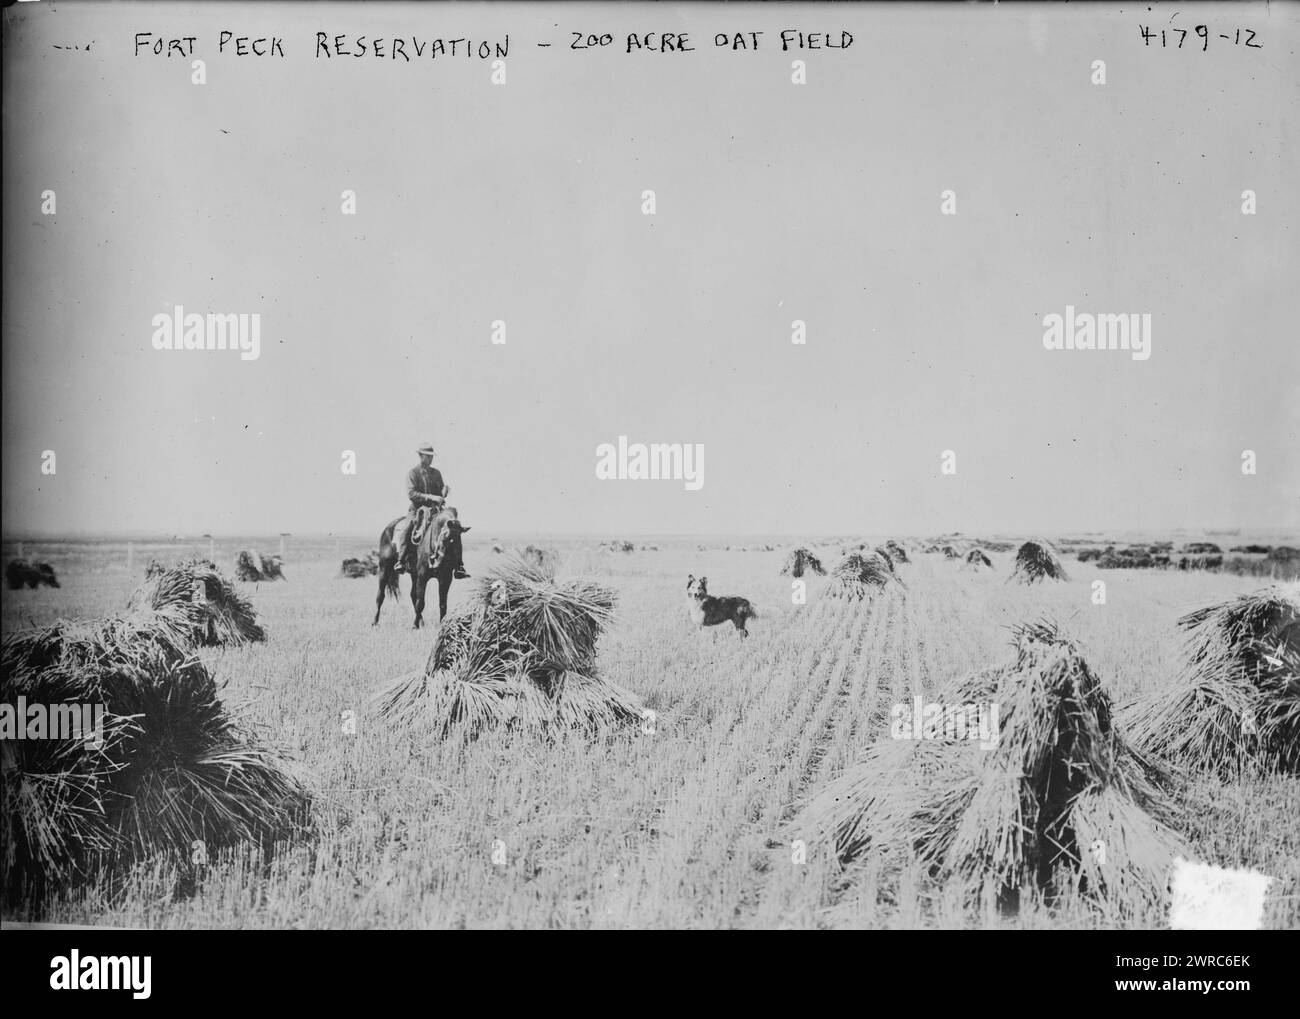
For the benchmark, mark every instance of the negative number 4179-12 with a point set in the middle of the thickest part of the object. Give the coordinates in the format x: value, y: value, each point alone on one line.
x: 1177, y: 36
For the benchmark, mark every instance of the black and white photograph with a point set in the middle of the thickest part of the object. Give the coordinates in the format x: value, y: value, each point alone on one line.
x: 651, y: 466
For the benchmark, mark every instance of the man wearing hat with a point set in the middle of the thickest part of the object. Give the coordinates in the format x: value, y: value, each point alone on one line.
x: 424, y: 487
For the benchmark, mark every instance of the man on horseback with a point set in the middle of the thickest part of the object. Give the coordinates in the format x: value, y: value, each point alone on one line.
x: 424, y: 487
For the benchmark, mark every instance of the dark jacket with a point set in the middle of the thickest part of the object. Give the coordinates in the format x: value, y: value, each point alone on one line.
x: 423, y: 485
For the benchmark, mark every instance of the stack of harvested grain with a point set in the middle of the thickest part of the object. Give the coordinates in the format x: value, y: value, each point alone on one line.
x: 546, y: 558
x: 977, y: 560
x: 1200, y: 562
x: 521, y: 653
x: 859, y: 576
x: 21, y: 573
x: 1037, y: 560
x: 1237, y: 704
x: 1058, y: 800
x: 252, y: 566
x: 884, y: 556
x: 166, y: 765
x: 197, y: 603
x: 366, y: 567
x: 896, y: 552
x: 799, y: 560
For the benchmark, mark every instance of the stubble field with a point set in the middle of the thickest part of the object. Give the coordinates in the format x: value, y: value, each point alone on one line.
x: 690, y: 826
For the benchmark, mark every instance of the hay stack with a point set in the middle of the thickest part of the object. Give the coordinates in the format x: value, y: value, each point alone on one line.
x: 896, y: 552
x: 1126, y: 559
x: 977, y: 560
x: 1025, y: 812
x: 173, y: 766
x: 1200, y: 562
x: 251, y: 566
x: 365, y: 567
x: 196, y: 604
x: 521, y: 653
x: 801, y: 560
x: 886, y: 558
x: 544, y: 558
x: 1237, y: 704
x: 20, y: 573
x: 248, y: 566
x: 860, y: 576
x: 1037, y: 560
x: 950, y: 553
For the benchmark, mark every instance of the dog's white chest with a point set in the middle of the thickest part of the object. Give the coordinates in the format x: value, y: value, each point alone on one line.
x: 695, y: 609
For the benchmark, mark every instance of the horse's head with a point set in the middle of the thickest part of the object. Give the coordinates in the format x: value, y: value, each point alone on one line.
x: 445, y: 532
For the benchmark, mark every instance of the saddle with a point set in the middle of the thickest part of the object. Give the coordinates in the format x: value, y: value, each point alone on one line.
x: 423, y: 516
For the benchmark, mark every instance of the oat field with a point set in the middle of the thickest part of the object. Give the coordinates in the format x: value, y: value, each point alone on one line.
x: 690, y: 826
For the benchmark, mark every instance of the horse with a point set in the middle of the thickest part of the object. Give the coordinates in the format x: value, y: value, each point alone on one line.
x: 436, y: 556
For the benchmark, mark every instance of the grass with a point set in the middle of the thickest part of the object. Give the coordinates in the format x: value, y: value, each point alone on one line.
x: 690, y: 826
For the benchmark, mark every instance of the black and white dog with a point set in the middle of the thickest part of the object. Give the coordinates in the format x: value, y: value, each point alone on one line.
x: 706, y: 610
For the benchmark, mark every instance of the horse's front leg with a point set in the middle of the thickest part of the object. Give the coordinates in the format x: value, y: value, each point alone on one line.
x: 417, y: 599
x: 385, y: 580
x: 444, y: 585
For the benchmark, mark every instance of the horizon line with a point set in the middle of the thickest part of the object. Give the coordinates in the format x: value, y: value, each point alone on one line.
x: 160, y: 536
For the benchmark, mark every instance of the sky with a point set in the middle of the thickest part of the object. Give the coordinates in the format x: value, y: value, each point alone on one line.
x: 522, y: 203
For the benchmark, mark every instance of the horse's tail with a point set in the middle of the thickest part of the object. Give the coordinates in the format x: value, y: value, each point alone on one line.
x: 388, y: 560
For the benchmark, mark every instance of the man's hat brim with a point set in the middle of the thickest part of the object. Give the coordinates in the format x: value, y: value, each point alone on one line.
x: 425, y: 450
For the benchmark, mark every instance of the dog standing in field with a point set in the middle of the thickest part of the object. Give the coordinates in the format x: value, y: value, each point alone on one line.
x: 706, y: 610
